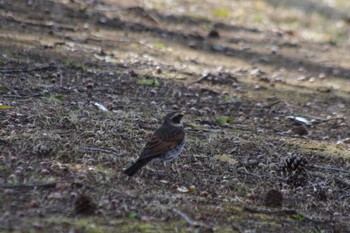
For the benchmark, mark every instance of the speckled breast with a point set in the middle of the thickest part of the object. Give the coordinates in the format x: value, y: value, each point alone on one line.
x: 174, y: 153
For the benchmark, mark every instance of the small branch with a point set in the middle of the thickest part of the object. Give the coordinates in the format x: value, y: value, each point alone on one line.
x: 102, y: 150
x: 326, y: 120
x: 96, y: 39
x: 143, y: 13
x: 37, y: 186
x: 273, y: 104
x: 344, y: 196
x: 283, y: 211
x: 30, y: 69
x: 4, y: 142
x: 330, y: 168
x: 35, y: 23
x: 143, y: 126
x: 343, y: 181
x: 204, y: 130
x: 236, y: 227
x: 203, y: 78
x: 184, y: 216
x: 259, y: 176
x: 27, y: 96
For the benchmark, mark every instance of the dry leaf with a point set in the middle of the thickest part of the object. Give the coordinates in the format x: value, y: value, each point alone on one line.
x: 226, y: 159
x: 183, y: 189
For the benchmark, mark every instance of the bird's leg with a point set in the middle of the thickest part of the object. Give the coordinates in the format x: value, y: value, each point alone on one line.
x: 169, y: 169
x: 175, y: 170
x: 166, y: 166
x: 158, y: 170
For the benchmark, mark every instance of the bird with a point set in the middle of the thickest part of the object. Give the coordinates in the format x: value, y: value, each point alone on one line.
x: 166, y: 143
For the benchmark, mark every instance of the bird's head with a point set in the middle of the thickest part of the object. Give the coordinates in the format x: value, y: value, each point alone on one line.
x: 174, y: 118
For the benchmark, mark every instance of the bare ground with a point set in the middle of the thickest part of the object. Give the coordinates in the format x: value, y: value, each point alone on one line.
x: 238, y: 71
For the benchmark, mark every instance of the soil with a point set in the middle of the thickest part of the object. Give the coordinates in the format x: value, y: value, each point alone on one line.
x: 265, y: 90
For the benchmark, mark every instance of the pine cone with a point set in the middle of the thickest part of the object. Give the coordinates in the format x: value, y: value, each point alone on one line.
x: 294, y: 168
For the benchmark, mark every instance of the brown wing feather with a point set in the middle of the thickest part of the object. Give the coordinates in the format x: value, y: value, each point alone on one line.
x: 162, y: 142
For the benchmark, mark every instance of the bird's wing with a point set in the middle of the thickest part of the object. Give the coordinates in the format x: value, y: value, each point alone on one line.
x: 161, y: 143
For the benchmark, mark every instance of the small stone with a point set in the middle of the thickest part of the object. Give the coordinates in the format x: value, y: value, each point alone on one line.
x: 301, y: 78
x: 213, y: 34
x: 321, y: 75
x: 13, y: 114
x: 89, y: 86
x: 13, y: 159
x: 34, y: 204
x: 19, y: 172
x: 67, y: 145
x: 41, y: 149
x: 5, y: 122
x: 44, y: 172
x: 204, y: 194
x: 110, y: 106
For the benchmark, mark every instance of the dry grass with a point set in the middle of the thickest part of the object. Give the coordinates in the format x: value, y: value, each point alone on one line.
x: 56, y: 144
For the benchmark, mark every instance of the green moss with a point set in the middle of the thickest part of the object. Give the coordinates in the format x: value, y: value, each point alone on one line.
x: 88, y: 226
x: 221, y: 12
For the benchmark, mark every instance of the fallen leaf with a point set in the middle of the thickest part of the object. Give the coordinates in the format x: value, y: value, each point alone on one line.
x: 4, y: 90
x: 132, y: 215
x: 343, y: 141
x: 226, y: 159
x: 101, y: 107
x: 5, y: 107
x: 159, y: 45
x: 183, y: 189
x: 222, y: 120
x: 222, y: 12
x: 151, y: 82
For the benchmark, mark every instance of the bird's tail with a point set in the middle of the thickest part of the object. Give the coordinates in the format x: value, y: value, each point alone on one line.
x: 135, y: 167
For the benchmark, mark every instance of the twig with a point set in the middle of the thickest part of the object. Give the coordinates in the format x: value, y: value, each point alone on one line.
x: 96, y: 39
x: 273, y: 104
x: 319, y: 120
x: 143, y: 13
x: 190, y: 221
x: 37, y: 186
x: 143, y: 126
x: 30, y: 69
x: 283, y: 211
x: 29, y: 186
x: 344, y: 196
x: 102, y: 150
x: 27, y: 96
x: 146, y: 45
x: 203, y: 78
x: 204, y: 130
x: 342, y: 181
x: 15, y: 96
x: 2, y: 141
x: 259, y: 176
x: 49, y: 25
x: 184, y: 216
x: 236, y: 227
x: 330, y: 168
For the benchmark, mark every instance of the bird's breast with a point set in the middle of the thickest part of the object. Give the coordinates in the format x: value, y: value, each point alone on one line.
x: 175, y: 152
